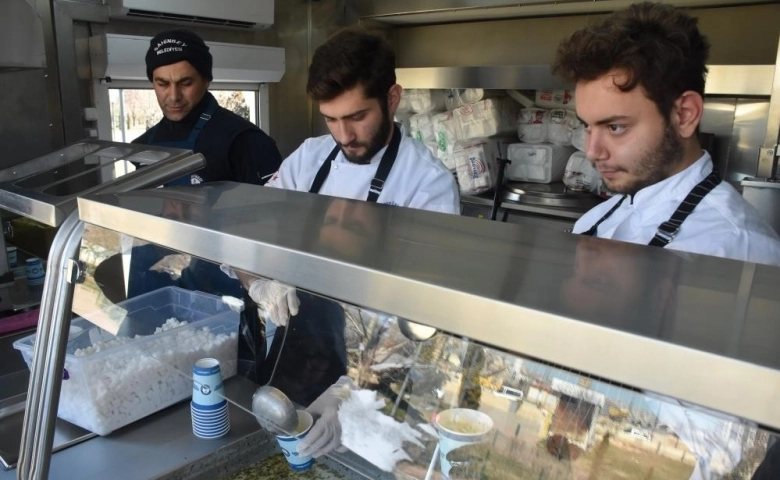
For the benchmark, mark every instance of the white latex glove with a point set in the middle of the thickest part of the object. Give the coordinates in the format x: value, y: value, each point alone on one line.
x: 714, y: 438
x: 275, y: 300
x: 228, y: 270
x: 325, y: 436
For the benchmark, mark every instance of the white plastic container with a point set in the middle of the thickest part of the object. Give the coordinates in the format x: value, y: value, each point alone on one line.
x: 128, y: 379
x: 539, y: 163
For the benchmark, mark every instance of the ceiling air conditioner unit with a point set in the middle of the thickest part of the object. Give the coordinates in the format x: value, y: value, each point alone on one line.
x: 250, y: 14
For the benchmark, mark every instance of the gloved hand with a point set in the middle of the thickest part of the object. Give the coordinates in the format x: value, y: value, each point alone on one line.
x: 275, y: 300
x: 325, y: 436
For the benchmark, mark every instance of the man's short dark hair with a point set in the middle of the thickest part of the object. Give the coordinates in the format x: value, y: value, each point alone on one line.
x: 353, y: 56
x: 657, y: 45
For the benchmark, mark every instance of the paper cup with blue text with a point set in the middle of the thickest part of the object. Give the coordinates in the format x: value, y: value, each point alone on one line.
x: 35, y: 272
x: 207, y: 389
x: 462, y: 432
x: 12, y: 256
x: 289, y: 444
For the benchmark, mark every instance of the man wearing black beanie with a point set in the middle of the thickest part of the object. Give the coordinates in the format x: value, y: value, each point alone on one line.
x: 178, y: 63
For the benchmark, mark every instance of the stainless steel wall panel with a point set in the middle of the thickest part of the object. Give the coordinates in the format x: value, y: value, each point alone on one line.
x: 750, y: 119
x: 302, y: 25
x: 718, y: 120
x: 529, y: 77
x: 24, y: 128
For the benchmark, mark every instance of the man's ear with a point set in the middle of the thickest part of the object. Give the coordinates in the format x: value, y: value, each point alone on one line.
x: 394, y: 98
x: 686, y: 113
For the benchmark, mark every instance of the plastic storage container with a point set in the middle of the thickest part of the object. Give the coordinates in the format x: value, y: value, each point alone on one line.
x: 540, y: 163
x: 109, y: 382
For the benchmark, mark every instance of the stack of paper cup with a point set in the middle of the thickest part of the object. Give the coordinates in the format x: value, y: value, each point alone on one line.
x: 289, y: 443
x: 209, y: 407
x: 460, y: 431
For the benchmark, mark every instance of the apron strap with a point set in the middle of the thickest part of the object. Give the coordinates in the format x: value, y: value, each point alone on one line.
x: 385, y: 165
x: 670, y: 228
x: 202, y: 120
x: 324, y: 171
x: 382, y: 171
x: 592, y: 231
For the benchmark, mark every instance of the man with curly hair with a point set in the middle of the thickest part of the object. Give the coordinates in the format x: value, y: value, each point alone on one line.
x: 639, y: 79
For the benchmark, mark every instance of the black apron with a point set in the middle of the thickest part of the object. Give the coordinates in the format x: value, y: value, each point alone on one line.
x: 382, y: 171
x: 189, y: 143
x: 670, y: 228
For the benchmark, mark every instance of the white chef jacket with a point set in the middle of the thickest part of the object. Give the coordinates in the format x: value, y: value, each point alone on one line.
x: 417, y: 179
x: 722, y: 225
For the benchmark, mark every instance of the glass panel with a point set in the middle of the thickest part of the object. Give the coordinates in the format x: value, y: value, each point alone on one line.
x: 134, y: 111
x: 534, y: 420
x: 241, y: 102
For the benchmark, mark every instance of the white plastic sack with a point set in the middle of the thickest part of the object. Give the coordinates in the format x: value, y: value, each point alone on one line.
x: 475, y: 165
x: 422, y: 100
x: 561, y: 124
x: 421, y: 127
x: 445, y: 129
x: 555, y: 99
x: 580, y: 175
x: 404, y: 118
x: 578, y: 137
x: 532, y: 125
x: 492, y: 116
x: 458, y: 97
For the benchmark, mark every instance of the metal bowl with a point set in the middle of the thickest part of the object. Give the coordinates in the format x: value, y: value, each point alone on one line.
x: 274, y: 411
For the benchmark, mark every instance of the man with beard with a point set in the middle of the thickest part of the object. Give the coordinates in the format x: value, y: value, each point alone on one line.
x: 639, y: 79
x: 366, y: 157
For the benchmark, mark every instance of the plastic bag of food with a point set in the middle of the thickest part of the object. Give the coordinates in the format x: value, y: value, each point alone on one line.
x: 580, y: 175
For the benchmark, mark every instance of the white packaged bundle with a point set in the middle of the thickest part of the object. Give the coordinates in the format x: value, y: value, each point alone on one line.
x: 555, y: 99
x: 539, y: 163
x: 403, y: 118
x: 492, y: 116
x: 580, y: 175
x: 446, y: 130
x: 561, y: 124
x: 421, y: 127
x: 433, y: 147
x: 532, y: 125
x: 578, y: 137
x: 424, y: 100
x: 475, y: 165
x: 458, y: 97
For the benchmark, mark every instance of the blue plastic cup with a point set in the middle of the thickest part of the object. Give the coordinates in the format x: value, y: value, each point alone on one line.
x: 207, y: 389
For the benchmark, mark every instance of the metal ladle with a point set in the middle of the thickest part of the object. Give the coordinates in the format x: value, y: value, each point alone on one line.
x: 274, y: 411
x: 417, y: 333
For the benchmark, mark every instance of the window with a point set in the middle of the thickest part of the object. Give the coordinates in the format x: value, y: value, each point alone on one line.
x: 135, y: 110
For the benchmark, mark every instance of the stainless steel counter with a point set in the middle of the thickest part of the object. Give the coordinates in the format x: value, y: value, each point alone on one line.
x: 163, y: 446
x: 650, y: 318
